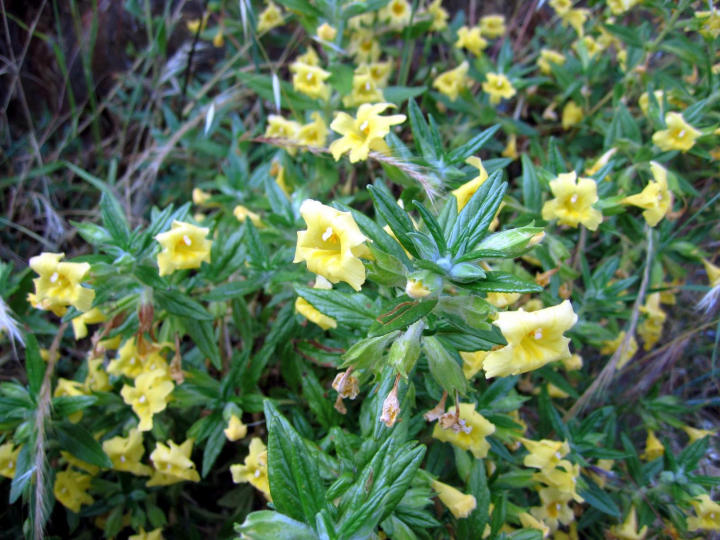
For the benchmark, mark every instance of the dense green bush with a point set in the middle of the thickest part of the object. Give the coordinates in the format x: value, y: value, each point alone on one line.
x: 441, y: 277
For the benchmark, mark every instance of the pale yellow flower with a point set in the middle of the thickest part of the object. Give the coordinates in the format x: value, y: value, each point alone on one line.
x: 270, y: 17
x: 242, y: 213
x: 80, y: 322
x: 326, y: 32
x: 529, y: 522
x: 97, y: 379
x: 547, y: 57
x: 713, y: 273
x: 651, y: 328
x: 498, y: 87
x: 610, y: 346
x: 155, y: 534
x: 363, y: 46
x: 600, y: 162
x: 472, y: 362
x: 502, y: 300
x: 697, y: 434
x: 379, y: 72
x: 710, y: 23
x: 452, y: 82
x: 707, y: 514
x: 459, y: 503
x: 464, y: 193
x: 439, y: 15
x: 364, y: 90
x: 310, y: 57
x: 471, y: 39
x: 310, y: 80
x: 396, y: 13
x: 679, y: 135
x: 236, y: 429
x: 254, y: 470
x: 173, y: 464
x: 653, y: 447
x: 307, y: 310
x: 183, y: 246
x: 71, y: 488
x: 8, y: 459
x: 619, y: 7
x: 149, y: 396
x: 280, y: 128
x: 469, y: 433
x: 573, y: 202
x: 544, y: 454
x: 576, y: 18
x: 572, y: 114
x: 313, y: 133
x: 126, y: 453
x: 655, y: 199
x: 628, y: 530
x: 561, y: 7
x: 562, y: 477
x: 492, y: 26
x: 364, y: 133
x: 534, y: 339
x: 510, y: 150
x: 554, y: 508
x: 59, y: 284
x: 331, y: 244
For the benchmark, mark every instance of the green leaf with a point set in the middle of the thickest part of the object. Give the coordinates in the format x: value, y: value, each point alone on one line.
x: 468, y: 149
x: 78, y: 441
x: 268, y: 524
x: 179, y: 304
x: 114, y: 219
x: 433, y: 227
x: 443, y: 366
x: 362, y: 6
x: 24, y: 470
x: 396, y: 217
x: 213, y: 447
x: 598, y: 499
x: 233, y: 289
x: 532, y: 194
x: 421, y: 132
x: 402, y: 314
x: 497, y: 281
x: 302, y: 6
x: 34, y: 365
x: 346, y: 309
x: 203, y: 335
x: 256, y: 247
x: 478, y: 518
x: 295, y: 483
x: 64, y: 406
x: 400, y: 94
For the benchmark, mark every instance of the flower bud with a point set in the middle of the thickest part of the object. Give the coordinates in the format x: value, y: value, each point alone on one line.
x: 423, y: 284
x: 405, y: 350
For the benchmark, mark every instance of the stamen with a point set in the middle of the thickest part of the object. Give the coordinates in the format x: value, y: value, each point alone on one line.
x: 54, y: 277
x: 132, y: 361
x: 364, y: 127
x: 141, y: 399
x: 538, y: 334
x: 10, y: 465
x: 573, y: 199
x: 682, y: 133
x: 367, y: 86
x: 122, y: 459
x: 257, y: 473
x: 309, y: 76
x: 327, y: 234
x: 187, y: 240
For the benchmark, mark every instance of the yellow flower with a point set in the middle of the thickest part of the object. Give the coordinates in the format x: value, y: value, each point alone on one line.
x: 644, y: 100
x: 679, y: 135
x: 628, y: 530
x: 148, y: 397
x: 80, y: 322
x: 97, y: 379
x: 653, y: 447
x: 364, y: 90
x: 313, y: 133
x: 498, y: 87
x: 529, y: 522
x: 241, y: 213
x: 610, y: 346
x: 713, y: 273
x: 236, y: 429
x: 184, y: 246
x: 510, y: 150
x: 271, y: 17
x: 415, y: 288
x: 155, y: 534
x: 655, y: 199
x: 66, y: 387
x: 492, y: 26
x: 126, y: 453
x: 472, y: 362
x: 218, y: 39
x: 280, y: 128
x: 651, y: 328
x: 310, y: 80
x: 326, y: 32
x: 364, y: 133
x: 469, y: 433
x: 697, y: 434
x: 360, y: 21
x: 364, y: 47
x: 563, y: 478
x: 396, y: 13
x: 439, y: 15
x: 199, y: 196
x: 378, y: 71
x: 502, y: 300
x: 331, y: 244
x: 459, y: 503
x: 534, y: 339
x: 554, y: 508
x: 573, y: 202
x: 619, y: 7
x: 576, y: 18
x: 254, y: 470
x: 8, y: 460
x: 710, y: 23
x: 708, y: 514
x: 128, y: 362
x: 464, y: 193
x: 601, y: 162
x: 572, y: 115
x: 453, y: 81
x: 58, y: 284
x: 605, y: 465
x: 84, y: 466
x: 561, y: 7
x: 307, y: 310
x: 173, y: 464
x: 196, y: 25
x: 70, y: 489
x: 544, y: 454
x: 310, y: 58
x: 547, y: 57
x: 471, y: 39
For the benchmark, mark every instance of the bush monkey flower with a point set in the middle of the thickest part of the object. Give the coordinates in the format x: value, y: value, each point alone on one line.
x: 364, y: 133
x: 184, y: 246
